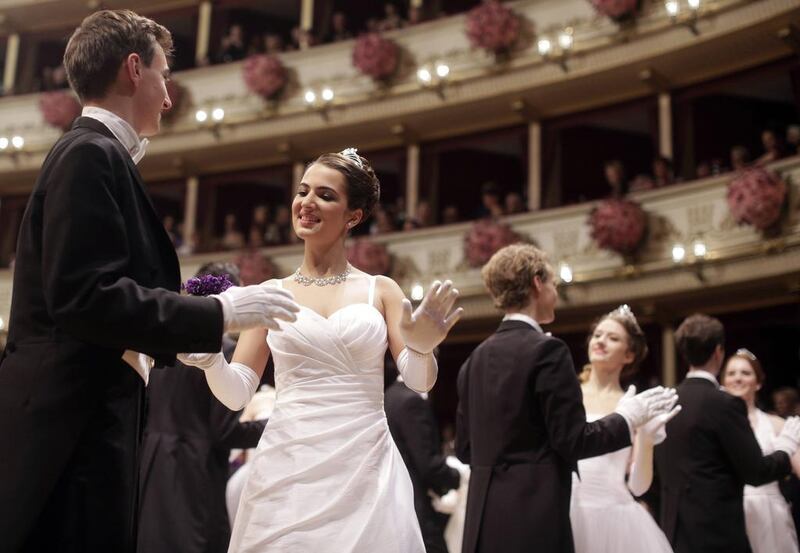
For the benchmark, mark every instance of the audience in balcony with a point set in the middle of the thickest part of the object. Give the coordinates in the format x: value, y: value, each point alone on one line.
x: 793, y: 140
x: 451, y: 215
x: 423, y: 217
x: 53, y: 78
x: 491, y: 201
x: 170, y: 225
x: 514, y: 204
x: 740, y: 158
x: 232, y: 47
x: 391, y: 19
x: 280, y: 230
x: 773, y: 149
x: 339, y: 28
x: 302, y: 39
x: 615, y: 178
x: 232, y: 238
x: 383, y: 220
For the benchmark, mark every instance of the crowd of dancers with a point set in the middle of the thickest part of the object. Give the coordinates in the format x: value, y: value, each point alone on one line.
x: 552, y: 462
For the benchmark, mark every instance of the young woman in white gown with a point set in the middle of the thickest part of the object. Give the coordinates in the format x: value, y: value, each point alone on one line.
x: 326, y: 476
x: 770, y: 528
x: 605, y: 517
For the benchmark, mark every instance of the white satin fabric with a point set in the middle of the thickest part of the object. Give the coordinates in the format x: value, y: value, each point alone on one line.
x: 326, y: 476
x: 605, y: 517
x: 770, y: 528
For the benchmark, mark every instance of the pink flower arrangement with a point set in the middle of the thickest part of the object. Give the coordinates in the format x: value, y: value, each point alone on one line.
x: 493, y: 26
x: 376, y: 56
x: 59, y: 108
x: 264, y: 75
x: 484, y: 238
x: 755, y: 197
x: 371, y: 257
x: 616, y: 9
x: 618, y: 225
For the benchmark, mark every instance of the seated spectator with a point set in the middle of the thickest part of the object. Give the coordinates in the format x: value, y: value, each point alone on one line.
x: 415, y: 15
x: 373, y: 25
x: 641, y: 182
x: 280, y: 231
x: 383, y: 221
x: 773, y: 149
x: 255, y: 238
x: 514, y: 203
x: 260, y: 218
x: 422, y: 218
x: 663, y: 174
x: 703, y: 169
x: 491, y: 203
x: 793, y: 140
x: 450, y: 215
x: 232, y: 47
x: 273, y: 43
x: 391, y: 19
x: 339, y: 30
x: 740, y: 158
x: 169, y: 226
x: 302, y: 39
x: 615, y: 177
x: 254, y: 267
x: 232, y: 238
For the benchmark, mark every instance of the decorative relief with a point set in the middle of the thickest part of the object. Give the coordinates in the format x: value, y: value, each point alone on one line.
x: 700, y: 218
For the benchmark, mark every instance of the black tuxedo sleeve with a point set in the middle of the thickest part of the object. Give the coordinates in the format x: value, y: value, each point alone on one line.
x: 742, y: 449
x: 561, y: 401
x: 85, y: 259
x: 463, y: 451
x: 421, y: 434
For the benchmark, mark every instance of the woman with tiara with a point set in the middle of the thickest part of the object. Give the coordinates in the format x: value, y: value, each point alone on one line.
x: 605, y: 517
x: 326, y: 475
x: 768, y: 519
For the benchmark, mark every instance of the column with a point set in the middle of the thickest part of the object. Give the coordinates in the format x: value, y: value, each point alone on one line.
x: 665, y: 124
x: 190, y: 209
x: 203, y: 32
x: 534, y: 166
x: 412, y: 178
x: 668, y: 366
x: 307, y: 15
x: 12, y: 56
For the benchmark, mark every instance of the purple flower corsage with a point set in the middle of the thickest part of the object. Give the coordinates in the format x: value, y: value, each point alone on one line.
x: 206, y: 285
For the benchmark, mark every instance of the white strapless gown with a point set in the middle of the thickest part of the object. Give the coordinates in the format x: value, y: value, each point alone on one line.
x: 326, y: 476
x: 770, y: 528
x: 605, y: 517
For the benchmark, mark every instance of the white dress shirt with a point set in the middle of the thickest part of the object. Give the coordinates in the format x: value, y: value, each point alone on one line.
x: 525, y: 319
x: 121, y: 129
x: 700, y: 373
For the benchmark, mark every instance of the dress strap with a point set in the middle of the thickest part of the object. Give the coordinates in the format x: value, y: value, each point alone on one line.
x: 371, y: 297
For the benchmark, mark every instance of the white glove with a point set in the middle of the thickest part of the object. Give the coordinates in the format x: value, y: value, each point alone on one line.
x: 653, y: 431
x: 638, y: 409
x: 419, y: 370
x: 232, y: 384
x: 789, y: 438
x: 259, y: 305
x: 428, y: 325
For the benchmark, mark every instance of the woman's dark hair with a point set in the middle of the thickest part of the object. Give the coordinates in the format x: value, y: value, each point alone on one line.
x: 363, y: 186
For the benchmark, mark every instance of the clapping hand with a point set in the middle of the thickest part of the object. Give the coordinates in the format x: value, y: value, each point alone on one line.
x: 653, y: 431
x: 428, y: 325
x: 641, y: 408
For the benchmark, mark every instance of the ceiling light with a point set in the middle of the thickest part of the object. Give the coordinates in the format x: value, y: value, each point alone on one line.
x: 218, y: 114
x: 201, y: 115
x: 442, y: 70
x: 424, y: 75
x: 699, y: 248
x: 672, y: 7
x: 310, y: 97
x: 694, y: 4
x: 544, y: 46
x: 678, y: 253
x: 565, y: 273
x: 18, y: 142
x: 417, y: 292
x: 565, y: 39
x: 327, y: 94
x: 3, y: 142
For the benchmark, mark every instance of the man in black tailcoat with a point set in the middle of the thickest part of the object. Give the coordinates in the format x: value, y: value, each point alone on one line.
x: 96, y: 279
x: 521, y: 424
x: 416, y: 434
x: 711, y: 452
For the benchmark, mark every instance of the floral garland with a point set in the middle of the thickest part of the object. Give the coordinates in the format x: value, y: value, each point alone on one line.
x: 618, y: 225
x: 59, y: 108
x: 493, y: 26
x: 376, y: 56
x: 484, y: 238
x: 265, y: 75
x: 756, y: 197
x: 371, y: 257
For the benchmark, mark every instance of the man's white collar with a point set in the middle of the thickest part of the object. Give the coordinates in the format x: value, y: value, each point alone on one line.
x: 700, y: 373
x: 121, y: 129
x: 524, y: 318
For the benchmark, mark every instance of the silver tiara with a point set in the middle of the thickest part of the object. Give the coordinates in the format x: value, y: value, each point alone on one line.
x: 624, y: 312
x: 352, y: 155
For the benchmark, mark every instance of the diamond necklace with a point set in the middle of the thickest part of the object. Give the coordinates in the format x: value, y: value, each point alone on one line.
x: 322, y: 281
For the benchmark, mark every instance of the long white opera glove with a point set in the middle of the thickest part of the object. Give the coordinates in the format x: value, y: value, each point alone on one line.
x: 640, y: 408
x: 425, y: 328
x: 647, y: 435
x: 232, y: 383
x: 259, y: 305
x: 789, y: 438
x: 419, y: 370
